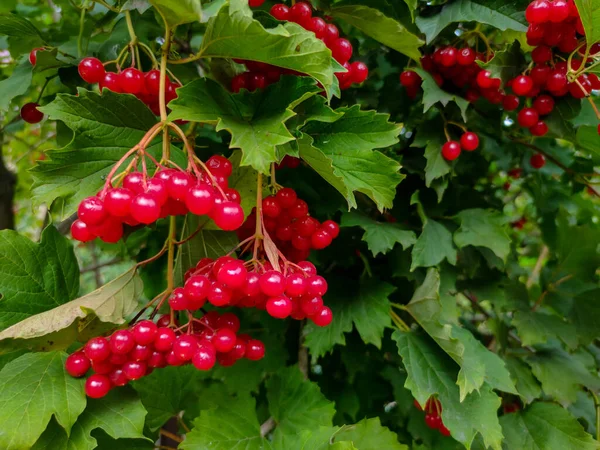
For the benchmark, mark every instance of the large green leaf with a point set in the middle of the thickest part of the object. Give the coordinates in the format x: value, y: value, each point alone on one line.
x: 433, y: 246
x: 78, y: 319
x: 256, y: 120
x: 432, y: 94
x: 18, y: 27
x: 364, y: 304
x: 296, y: 405
x: 179, y: 12
x: 342, y: 153
x: 379, y: 236
x: 377, y: 25
x: 234, y: 34
x: 537, y: 328
x: 33, y: 388
x: 120, y: 414
x: 15, y: 85
x: 105, y: 127
x: 437, y: 166
x: 585, y: 316
x: 527, y: 387
x: 477, y: 364
x: 483, y: 228
x: 232, y: 425
x: 35, y: 277
x: 545, y: 426
x: 369, y: 434
x: 588, y: 138
x: 431, y: 372
x: 589, y: 11
x: 499, y: 14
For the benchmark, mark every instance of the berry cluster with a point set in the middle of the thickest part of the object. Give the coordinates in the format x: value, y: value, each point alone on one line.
x: 145, y: 86
x: 469, y: 141
x: 289, y: 224
x: 260, y: 74
x: 170, y: 192
x: 129, y: 354
x: 433, y: 417
x: 293, y: 290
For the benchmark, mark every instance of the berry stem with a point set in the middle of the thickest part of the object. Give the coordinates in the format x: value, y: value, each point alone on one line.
x: 130, y: 29
x: 107, y: 6
x: 148, y: 51
x: 399, y: 322
x: 171, y: 253
x: 81, y: 28
x: 163, y: 73
x: 258, y: 236
x: 456, y: 124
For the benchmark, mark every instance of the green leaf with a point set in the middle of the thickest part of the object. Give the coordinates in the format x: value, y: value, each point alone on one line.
x: 576, y: 257
x: 179, y: 387
x: 364, y: 304
x: 296, y: 405
x: 477, y: 363
x: 437, y: 166
x: 16, y: 84
x: 483, y: 228
x: 33, y: 388
x: 35, y: 277
x: 18, y: 27
x: 537, y: 328
x: 315, y: 108
x: 345, y: 156
x: 561, y: 374
x: 288, y: 45
x: 78, y: 319
x: 378, y: 26
x: 527, y: 387
x: 545, y: 426
x: 502, y: 15
x: 256, y: 121
x: 105, y: 127
x: 369, y: 434
x: 430, y: 372
x: 180, y: 12
x: 506, y: 64
x: 589, y: 11
x: 585, y: 316
x: 232, y: 425
x: 379, y: 236
x: 120, y: 414
x: 432, y: 94
x: 433, y: 246
x: 588, y: 138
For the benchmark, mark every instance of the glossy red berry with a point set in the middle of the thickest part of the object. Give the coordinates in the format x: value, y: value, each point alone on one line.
x: 272, y: 283
x: 541, y: 54
x: 527, y: 117
x: 255, y: 350
x: 118, y: 202
x: 311, y: 305
x: 465, y: 56
x: 451, y: 150
x: 110, y: 81
x: 185, y: 347
x: 510, y: 102
x: 559, y: 11
x: 121, y: 342
x: 323, y: 317
x: 300, y: 13
x: 544, y: 105
x: 556, y: 81
x: 255, y: 3
x: 97, y: 386
x: 91, y: 211
x: 31, y: 114
x: 522, y: 84
x: 77, y: 364
x: 144, y: 332
x: 165, y: 337
x: 538, y: 11
x: 200, y: 199
x: 279, y: 307
x: 196, y: 290
x: 205, y: 357
x: 81, y: 232
x: 317, y: 26
x: 280, y: 11
x: 537, y: 161
x: 134, y: 181
x: 341, y: 50
x: 219, y: 294
x: 228, y: 216
x: 484, y: 79
x: 233, y: 274
x: 448, y: 56
x: 358, y: 72
x: 224, y: 340
x: 469, y: 141
x: 320, y: 239
x: 97, y: 349
x: 539, y: 129
x: 131, y: 81
x: 145, y: 209
x: 433, y: 421
x: 91, y: 70
x: 134, y: 370
x: 33, y: 55
x: 177, y: 300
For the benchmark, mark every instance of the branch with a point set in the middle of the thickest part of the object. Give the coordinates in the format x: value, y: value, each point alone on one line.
x: 267, y: 427
x: 100, y: 265
x: 535, y: 273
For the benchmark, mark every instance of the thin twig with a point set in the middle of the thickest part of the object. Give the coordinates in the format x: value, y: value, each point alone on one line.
x: 535, y: 273
x: 267, y: 427
x: 101, y: 265
x: 170, y: 435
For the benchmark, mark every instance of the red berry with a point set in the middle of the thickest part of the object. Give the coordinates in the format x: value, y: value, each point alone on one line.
x: 228, y: 216
x: 331, y: 34
x: 185, y: 347
x: 271, y: 207
x: 97, y: 349
x: 200, y: 199
x: 144, y: 332
x: 81, y: 232
x: 445, y: 431
x: 91, y: 70
x: 522, y: 84
x: 179, y: 184
x: 410, y: 78
x: 527, y: 117
x: 77, y: 364
x: 196, y: 290
x: 178, y: 300
x: 255, y: 3
x: 219, y: 294
x: 341, y: 50
x: 541, y: 54
x: 165, y: 337
x: 544, y: 105
x: 31, y: 114
x: 323, y: 317
x: 118, y: 202
x: 280, y: 11
x: 132, y: 81
x: 134, y: 181
x: 320, y: 239
x: 110, y: 81
x: 272, y: 283
x: 145, y: 209
x: 157, y: 360
x: 121, y: 342
x: 469, y: 141
x: 224, y: 340
x: 448, y: 56
x: 239, y: 82
x: 91, y: 211
x: 140, y: 353
x: 538, y: 11
x: 359, y: 72
x: 97, y: 386
x: 556, y: 81
x: 219, y: 165
x: 317, y: 26
x: 255, y: 350
x: 510, y: 102
x: 559, y: 11
x: 316, y: 286
x: 300, y: 13
x: 540, y: 74
x: 286, y: 197
x: 537, y: 161
x: 295, y: 285
x: 484, y: 79
x: 465, y: 56
x: 134, y: 370
x: 433, y: 421
x: 279, y: 307
x: 205, y: 356
x: 539, y: 129
x: 451, y: 150
x: 311, y: 305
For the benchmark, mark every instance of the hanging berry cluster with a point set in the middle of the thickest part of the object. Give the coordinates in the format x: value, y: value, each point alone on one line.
x: 145, y: 86
x: 293, y: 230
x: 132, y: 353
x: 293, y: 290
x: 170, y: 192
x: 260, y: 75
x: 433, y: 415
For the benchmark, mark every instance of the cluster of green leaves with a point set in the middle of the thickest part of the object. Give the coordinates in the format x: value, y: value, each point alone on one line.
x: 433, y: 293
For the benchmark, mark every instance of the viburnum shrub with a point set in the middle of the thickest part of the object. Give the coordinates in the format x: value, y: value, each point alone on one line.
x: 300, y: 225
